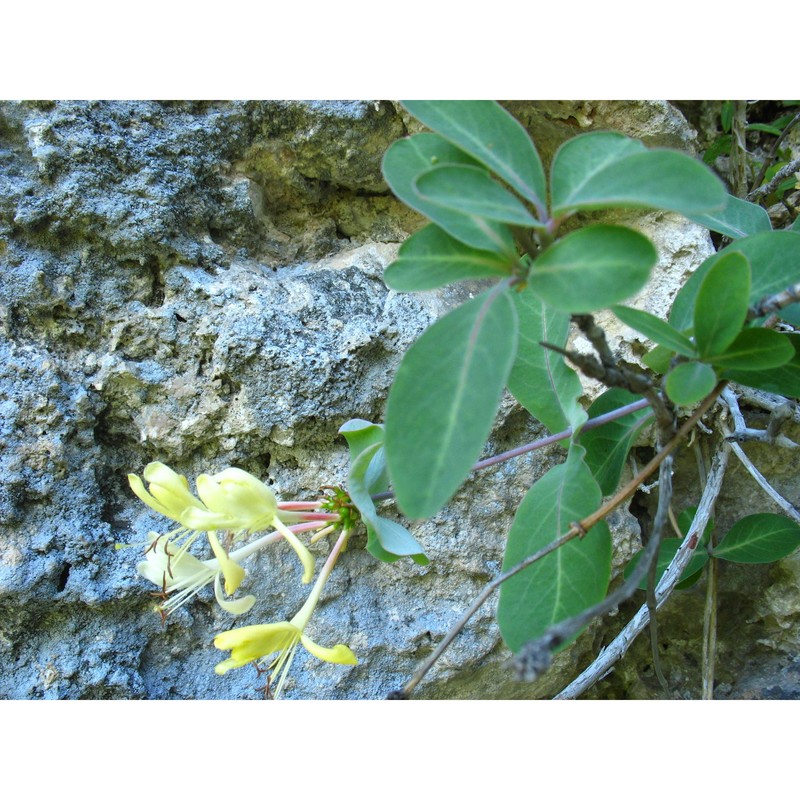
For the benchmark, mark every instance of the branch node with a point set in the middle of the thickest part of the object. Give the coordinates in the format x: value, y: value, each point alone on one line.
x: 581, y: 530
x: 535, y: 658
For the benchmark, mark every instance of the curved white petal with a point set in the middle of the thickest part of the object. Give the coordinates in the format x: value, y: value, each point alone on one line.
x: 236, y: 607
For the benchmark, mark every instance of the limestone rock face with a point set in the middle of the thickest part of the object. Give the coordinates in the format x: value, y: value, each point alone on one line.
x: 201, y: 284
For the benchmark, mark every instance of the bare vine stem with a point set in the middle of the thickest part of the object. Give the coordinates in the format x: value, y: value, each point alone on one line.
x: 780, y: 175
x: 729, y: 398
x: 710, y: 631
x: 575, y: 529
x: 774, y: 302
x: 773, y: 150
x: 662, y: 515
x: 595, y: 422
x: 601, y: 666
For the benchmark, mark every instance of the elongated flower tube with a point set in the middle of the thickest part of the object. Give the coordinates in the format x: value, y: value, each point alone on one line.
x: 254, y: 642
x: 237, y: 501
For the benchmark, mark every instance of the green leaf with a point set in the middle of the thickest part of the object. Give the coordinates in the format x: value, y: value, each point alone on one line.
x: 592, y: 268
x: 721, y: 306
x: 655, y: 329
x: 690, y: 382
x: 386, y: 540
x: 650, y: 179
x: 539, y: 379
x: 360, y: 435
x: 760, y: 126
x: 444, y: 398
x: 659, y: 359
x: 666, y: 552
x: 726, y: 115
x: 759, y: 539
x: 773, y: 258
x: 431, y: 258
x: 571, y: 578
x: 783, y: 380
x: 579, y: 159
x: 470, y: 190
x: 796, y: 225
x: 607, y: 446
x: 737, y: 219
x: 492, y: 136
x: 784, y: 186
x: 756, y: 349
x: 720, y: 145
x: 407, y: 158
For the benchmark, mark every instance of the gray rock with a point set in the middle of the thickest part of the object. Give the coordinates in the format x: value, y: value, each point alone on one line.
x: 200, y: 284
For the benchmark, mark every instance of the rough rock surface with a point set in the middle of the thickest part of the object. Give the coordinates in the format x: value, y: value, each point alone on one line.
x: 200, y: 284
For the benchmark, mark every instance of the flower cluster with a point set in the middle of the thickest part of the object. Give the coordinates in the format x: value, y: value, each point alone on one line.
x: 239, y: 505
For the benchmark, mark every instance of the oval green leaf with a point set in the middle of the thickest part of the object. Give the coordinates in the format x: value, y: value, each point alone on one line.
x: 756, y: 349
x: 773, y: 258
x: 470, y: 190
x: 607, y: 447
x: 444, y: 399
x: 407, y: 158
x: 737, y: 219
x: 658, y: 359
x: 579, y: 159
x: 386, y: 540
x: 721, y: 305
x: 592, y: 268
x: 360, y: 435
x: 540, y: 380
x: 655, y: 329
x: 571, y: 578
x: 690, y: 382
x: 651, y: 179
x: 759, y: 539
x: 492, y: 136
x: 783, y: 380
x: 431, y: 258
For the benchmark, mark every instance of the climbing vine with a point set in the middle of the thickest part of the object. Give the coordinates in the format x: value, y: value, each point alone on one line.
x: 548, y: 263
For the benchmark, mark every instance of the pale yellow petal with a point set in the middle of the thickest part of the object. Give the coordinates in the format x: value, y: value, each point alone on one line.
x: 245, y: 501
x: 212, y: 494
x: 138, y: 489
x: 253, y: 642
x: 196, y: 519
x: 340, y: 654
x: 233, y: 572
x: 304, y: 554
x: 168, y: 492
x: 235, y: 607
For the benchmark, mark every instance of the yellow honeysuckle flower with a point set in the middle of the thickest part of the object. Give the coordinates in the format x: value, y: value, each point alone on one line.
x: 253, y: 642
x: 257, y: 641
x: 179, y: 571
x: 232, y: 500
x: 237, y: 501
